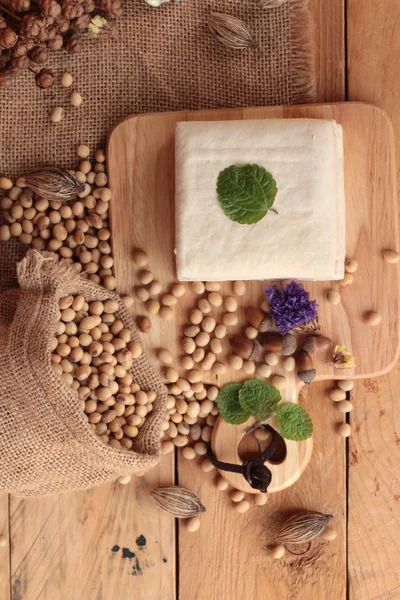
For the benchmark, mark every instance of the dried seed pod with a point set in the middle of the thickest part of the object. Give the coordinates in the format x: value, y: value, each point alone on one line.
x: 20, y: 49
x: 272, y: 342
x: 231, y: 31
x: 316, y: 343
x: 21, y: 63
x: 305, y: 367
x: 177, y: 501
x: 8, y: 38
x: 303, y: 527
x: 289, y: 344
x: 258, y: 319
x: 39, y: 55
x: 248, y: 349
x: 44, y: 79
x: 52, y: 183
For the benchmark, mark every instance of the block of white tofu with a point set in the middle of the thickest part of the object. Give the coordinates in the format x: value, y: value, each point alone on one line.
x: 305, y: 240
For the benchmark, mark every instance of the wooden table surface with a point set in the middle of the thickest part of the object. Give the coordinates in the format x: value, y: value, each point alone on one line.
x: 66, y: 548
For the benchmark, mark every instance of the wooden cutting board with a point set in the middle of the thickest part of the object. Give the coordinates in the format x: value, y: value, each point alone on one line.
x: 141, y: 176
x: 142, y: 171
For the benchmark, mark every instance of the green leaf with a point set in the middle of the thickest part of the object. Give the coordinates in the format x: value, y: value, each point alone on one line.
x: 259, y: 398
x: 246, y: 192
x: 294, y: 423
x: 229, y: 406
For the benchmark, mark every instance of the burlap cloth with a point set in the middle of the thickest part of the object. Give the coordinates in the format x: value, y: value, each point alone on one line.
x: 160, y: 59
x: 46, y: 446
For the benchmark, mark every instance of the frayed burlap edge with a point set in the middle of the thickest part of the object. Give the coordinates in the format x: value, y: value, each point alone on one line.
x: 302, y: 52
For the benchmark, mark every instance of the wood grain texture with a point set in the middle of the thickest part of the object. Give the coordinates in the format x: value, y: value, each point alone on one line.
x: 142, y: 170
x: 374, y: 489
x: 85, y: 546
x: 229, y: 556
x: 329, y: 23
x: 4, y: 550
x: 374, y: 493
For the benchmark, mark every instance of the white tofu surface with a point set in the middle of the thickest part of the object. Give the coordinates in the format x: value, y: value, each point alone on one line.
x: 306, y: 240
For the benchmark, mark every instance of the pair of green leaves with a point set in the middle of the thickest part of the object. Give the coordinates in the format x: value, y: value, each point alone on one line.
x: 246, y: 193
x: 239, y: 401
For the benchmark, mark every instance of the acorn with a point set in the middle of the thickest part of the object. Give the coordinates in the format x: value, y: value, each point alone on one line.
x: 258, y: 319
x: 305, y: 367
x: 289, y: 342
x: 272, y: 342
x: 247, y: 349
x: 316, y: 343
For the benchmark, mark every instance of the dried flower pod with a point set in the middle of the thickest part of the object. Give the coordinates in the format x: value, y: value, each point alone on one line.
x: 3, y: 23
x: 61, y: 24
x: 88, y: 6
x: 39, y: 55
x: 7, y: 75
x: 20, y: 49
x: 50, y: 8
x: 247, y: 349
x: 53, y: 184
x: 44, y: 79
x: 272, y: 342
x: 71, y: 9
x: 19, y: 6
x: 49, y: 21
x: 30, y: 44
x: 56, y: 43
x: 177, y: 501
x: 8, y: 38
x: 305, y: 367
x: 81, y: 23
x: 51, y: 34
x: 73, y: 44
x: 316, y: 343
x: 112, y: 8
x: 289, y: 344
x: 23, y: 62
x: 303, y: 527
x: 31, y: 27
x: 258, y: 319
x: 231, y: 31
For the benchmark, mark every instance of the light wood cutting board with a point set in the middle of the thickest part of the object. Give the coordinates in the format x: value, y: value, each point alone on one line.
x: 142, y: 170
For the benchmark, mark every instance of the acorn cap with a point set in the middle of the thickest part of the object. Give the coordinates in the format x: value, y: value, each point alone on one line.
x: 289, y: 342
x: 305, y: 367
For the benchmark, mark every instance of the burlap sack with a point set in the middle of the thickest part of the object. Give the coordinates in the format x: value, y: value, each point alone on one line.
x: 46, y: 444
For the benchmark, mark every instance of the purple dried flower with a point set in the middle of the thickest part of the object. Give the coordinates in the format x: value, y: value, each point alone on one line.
x: 290, y: 306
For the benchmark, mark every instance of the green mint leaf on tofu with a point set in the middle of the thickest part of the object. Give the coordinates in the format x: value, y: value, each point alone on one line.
x: 229, y: 406
x: 259, y: 398
x: 246, y: 193
x: 294, y: 423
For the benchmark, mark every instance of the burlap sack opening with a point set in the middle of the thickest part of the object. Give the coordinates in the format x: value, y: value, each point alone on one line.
x: 46, y: 444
